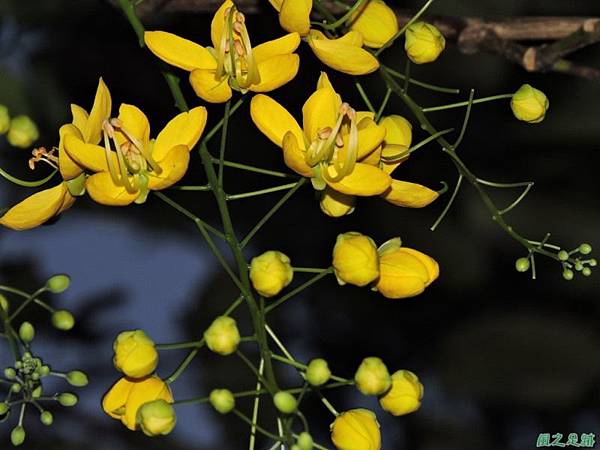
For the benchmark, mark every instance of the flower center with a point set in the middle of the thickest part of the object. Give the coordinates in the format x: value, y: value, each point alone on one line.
x: 41, y: 154
x: 235, y: 59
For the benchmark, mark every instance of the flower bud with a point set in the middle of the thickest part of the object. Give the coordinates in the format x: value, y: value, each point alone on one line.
x: 222, y: 336
x: 156, y: 418
x: 26, y: 332
x: 63, y: 320
x: 404, y: 272
x: 10, y: 373
x: 58, y: 283
x: 405, y: 395
x: 586, y: 271
x: 372, y: 377
x: 592, y: 262
x: 3, y: 408
x: 336, y: 204
x: 563, y: 255
x: 46, y: 418
x: 67, y: 399
x: 135, y: 354
x: 37, y: 392
x: 355, y: 259
x: 222, y: 400
x: 305, y: 441
x: 522, y: 264
x: 568, y: 274
x: 77, y: 378
x: 22, y: 132
x: 356, y: 429
x: 270, y: 273
x: 317, y: 372
x: 424, y: 42
x: 529, y: 104
x: 16, y: 388
x: 44, y: 370
x: 285, y: 402
x: 17, y: 436
x: 585, y: 249
x: 4, y: 305
x: 377, y: 23
x: 4, y: 119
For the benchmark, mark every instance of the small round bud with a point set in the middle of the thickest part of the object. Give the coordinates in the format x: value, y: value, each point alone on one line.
x: 4, y: 119
x: 16, y: 388
x: 563, y: 255
x: 156, y: 418
x: 317, y: 372
x: 4, y: 305
x: 63, y: 320
x: 23, y: 132
x: 77, y: 378
x: 294, y: 447
x: 26, y: 356
x: 67, y: 399
x: 222, y: 336
x: 35, y: 376
x: 44, y: 370
x: 423, y: 43
x: 3, y: 408
x: 37, y: 392
x: 585, y: 249
x: 305, y: 441
x: 270, y: 273
x: 135, y: 354
x: 529, y: 104
x: 355, y: 259
x: 568, y: 274
x: 26, y: 332
x: 18, y: 365
x: 17, y: 436
x: 46, y: 418
x: 592, y: 262
x: 586, y: 271
x: 222, y: 400
x: 10, y: 373
x: 372, y: 377
x: 578, y: 266
x: 58, y: 283
x: 285, y: 402
x: 522, y: 264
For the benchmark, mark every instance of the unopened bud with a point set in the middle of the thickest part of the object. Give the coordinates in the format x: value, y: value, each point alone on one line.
x: 585, y: 249
x: 563, y: 255
x: 58, y: 283
x: 522, y: 264
x: 77, y: 378
x: 305, y: 441
x: 10, y: 373
x: 285, y: 402
x: 3, y: 408
x: 4, y: 119
x: 63, y: 320
x: 17, y: 436
x: 3, y: 303
x: 67, y: 399
x: 23, y: 132
x: 222, y: 400
x: 46, y: 418
x: 317, y: 372
x: 568, y: 274
x: 26, y: 332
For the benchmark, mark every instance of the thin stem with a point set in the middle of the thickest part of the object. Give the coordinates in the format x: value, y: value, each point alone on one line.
x: 29, y: 299
x: 254, y: 169
x: 449, y: 204
x: 253, y: 368
x: 328, y: 405
x: 461, y: 104
x: 299, y: 289
x: 180, y: 345
x: 342, y: 20
x: 299, y: 365
x: 364, y: 96
x: 255, y: 406
x: 10, y: 335
x: 384, y: 103
x: 465, y: 121
x: 25, y: 183
x: 204, y: 187
x: 282, y: 187
x: 395, y: 158
x: 431, y: 87
x: 214, y: 130
x: 308, y: 269
x: 503, y: 185
x: 517, y: 200
x: 258, y: 427
x: 223, y: 142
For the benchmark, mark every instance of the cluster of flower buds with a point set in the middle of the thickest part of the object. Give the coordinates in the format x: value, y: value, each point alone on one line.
x: 576, y: 260
x: 20, y: 130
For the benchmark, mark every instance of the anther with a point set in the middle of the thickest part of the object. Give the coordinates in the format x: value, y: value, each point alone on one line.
x: 339, y: 141
x: 351, y: 113
x: 238, y: 27
x: 324, y: 133
x: 344, y: 107
x: 239, y: 48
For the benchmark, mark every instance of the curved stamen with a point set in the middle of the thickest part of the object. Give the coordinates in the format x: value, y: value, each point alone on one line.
x: 108, y: 132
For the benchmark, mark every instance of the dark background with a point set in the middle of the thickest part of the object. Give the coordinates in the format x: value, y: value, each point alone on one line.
x: 503, y: 358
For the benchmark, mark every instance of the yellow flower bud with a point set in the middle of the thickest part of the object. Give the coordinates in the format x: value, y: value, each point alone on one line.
x: 405, y: 395
x: 529, y: 104
x: 377, y: 23
x: 270, y: 273
x: 318, y: 372
x: 424, y: 42
x: 126, y: 396
x: 372, y: 377
x: 355, y: 259
x: 404, y: 272
x: 156, y: 418
x: 222, y: 400
x: 135, y: 354
x: 356, y: 429
x: 4, y: 305
x: 336, y: 204
x: 4, y: 119
x: 22, y: 132
x: 222, y: 336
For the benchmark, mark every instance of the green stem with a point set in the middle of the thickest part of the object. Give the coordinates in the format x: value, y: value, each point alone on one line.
x: 180, y: 345
x: 25, y: 183
x: 255, y: 406
x: 204, y: 187
x: 384, y: 103
x: 223, y: 142
x: 299, y: 289
x: 308, y: 269
x: 254, y: 169
x: 461, y: 104
x: 258, y: 427
x: 214, y: 130
x: 342, y: 20
x: 282, y: 187
x: 431, y: 87
x: 299, y: 365
x: 10, y: 335
x: 364, y: 96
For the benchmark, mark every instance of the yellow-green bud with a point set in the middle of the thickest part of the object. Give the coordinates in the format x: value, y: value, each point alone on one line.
x: 26, y: 332
x: 46, y: 418
x: 372, y: 377
x: 529, y: 104
x: 4, y: 119
x: 222, y: 400
x: 22, y: 132
x: 568, y: 274
x: 135, y: 354
x: 270, y: 273
x: 17, y: 436
x: 423, y: 43
x: 317, y: 372
x: 156, y: 418
x: 355, y: 259
x: 592, y: 262
x: 4, y: 303
x: 563, y: 255
x: 67, y: 399
x: 522, y: 264
x: 63, y: 320
x: 586, y: 271
x: 578, y: 266
x: 77, y: 378
x: 10, y: 373
x: 3, y: 408
x: 44, y: 370
x: 58, y: 283
x: 285, y: 402
x: 37, y: 392
x: 585, y: 249
x: 405, y: 395
x: 16, y: 388
x: 222, y: 336
x: 305, y: 441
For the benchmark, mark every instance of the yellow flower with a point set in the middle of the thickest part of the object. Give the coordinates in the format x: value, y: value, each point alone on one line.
x: 372, y: 377
x: 22, y: 132
x: 376, y: 21
x: 156, y: 418
x: 232, y: 63
x: 222, y: 336
x: 44, y: 205
x: 355, y: 259
x: 405, y: 395
x: 294, y: 15
x: 126, y: 396
x: 270, y: 273
x: 356, y: 429
x: 135, y: 354
x: 344, y: 54
x: 333, y: 138
x: 424, y: 42
x: 529, y: 104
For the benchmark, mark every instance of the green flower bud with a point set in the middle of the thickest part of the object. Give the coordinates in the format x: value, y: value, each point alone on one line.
x: 592, y: 262
x: 35, y: 376
x: 578, y: 266
x: 222, y: 336
x: 563, y: 255
x: 372, y: 377
x: 568, y: 274
x: 22, y: 132
x: 17, y: 436
x: 37, y: 392
x: 222, y: 400
x: 26, y: 356
x: 44, y: 370
x: 10, y: 373
x: 58, y: 283
x: 4, y: 119
x: 46, y: 418
x: 77, y: 378
x: 529, y: 104
x: 26, y: 332
x: 522, y: 264
x: 67, y: 399
x: 305, y: 441
x: 4, y: 305
x: 16, y: 388
x: 18, y: 365
x: 3, y: 408
x: 63, y: 320
x: 156, y: 418
x: 317, y: 372
x: 285, y: 402
x: 585, y: 249
x: 586, y: 271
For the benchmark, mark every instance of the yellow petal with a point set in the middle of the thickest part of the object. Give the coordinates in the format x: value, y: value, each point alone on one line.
x: 399, y: 130
x: 336, y: 204
x: 69, y: 169
x: 173, y: 166
x: 294, y: 15
x: 68, y: 201
x: 365, y: 180
x: 113, y: 402
x: 353, y: 38
x: 373, y: 158
x: 206, y: 87
x: 294, y: 156
x: 369, y: 139
x: 321, y: 110
x: 35, y: 209
x: 99, y: 113
x: 179, y: 52
x: 323, y: 82
x: 146, y: 390
x: 135, y: 122
x: 218, y: 23
x: 88, y: 156
x: 102, y: 190
x: 276, y: 4
x: 431, y: 264
x: 377, y: 23
x: 341, y: 56
x: 273, y: 120
x: 283, y: 46
x: 80, y: 116
x: 184, y: 129
x: 392, y: 151
x: 276, y: 71
x: 410, y: 195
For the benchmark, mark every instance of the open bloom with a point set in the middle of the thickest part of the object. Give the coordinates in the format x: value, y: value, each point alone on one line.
x: 405, y: 395
x: 356, y: 429
x: 232, y: 62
